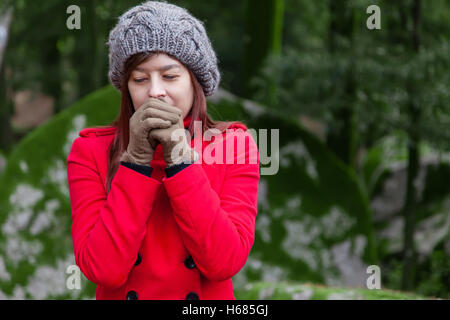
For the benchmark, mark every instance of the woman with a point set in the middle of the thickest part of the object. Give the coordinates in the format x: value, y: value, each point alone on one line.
x: 151, y: 220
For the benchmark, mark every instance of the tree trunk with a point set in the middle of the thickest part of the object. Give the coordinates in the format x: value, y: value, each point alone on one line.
x: 87, y: 56
x: 6, y: 111
x: 409, y: 252
x: 341, y: 138
x: 6, y: 105
x: 53, y: 85
x: 263, y: 36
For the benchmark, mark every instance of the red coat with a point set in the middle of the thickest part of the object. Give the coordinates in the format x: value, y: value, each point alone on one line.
x: 162, y: 238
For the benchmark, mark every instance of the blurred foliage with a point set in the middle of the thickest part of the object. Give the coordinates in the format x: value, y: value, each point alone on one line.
x: 308, y: 291
x: 380, y: 94
x: 310, y: 79
x: 367, y: 85
x: 385, y: 169
x: 75, y: 62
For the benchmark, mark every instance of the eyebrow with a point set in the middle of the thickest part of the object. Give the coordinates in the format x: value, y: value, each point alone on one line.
x: 164, y: 68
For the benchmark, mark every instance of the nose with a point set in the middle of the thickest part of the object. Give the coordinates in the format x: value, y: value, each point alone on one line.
x: 156, y: 89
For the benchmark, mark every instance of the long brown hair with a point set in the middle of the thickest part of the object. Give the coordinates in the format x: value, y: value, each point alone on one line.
x: 121, y: 137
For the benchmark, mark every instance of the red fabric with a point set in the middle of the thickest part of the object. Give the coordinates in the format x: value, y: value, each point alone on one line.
x: 207, y: 211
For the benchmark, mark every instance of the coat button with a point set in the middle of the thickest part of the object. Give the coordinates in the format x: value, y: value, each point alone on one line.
x: 189, y: 263
x: 132, y: 295
x: 138, y: 260
x: 192, y: 296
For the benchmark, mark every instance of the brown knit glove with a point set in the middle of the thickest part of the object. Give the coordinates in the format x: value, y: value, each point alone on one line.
x: 146, y: 118
x: 176, y: 148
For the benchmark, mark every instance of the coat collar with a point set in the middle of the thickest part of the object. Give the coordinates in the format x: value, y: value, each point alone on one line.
x: 187, y: 120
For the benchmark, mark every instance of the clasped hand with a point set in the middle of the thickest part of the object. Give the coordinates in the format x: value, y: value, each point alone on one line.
x: 176, y: 148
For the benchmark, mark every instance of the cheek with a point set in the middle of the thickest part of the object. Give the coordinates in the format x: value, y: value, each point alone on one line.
x: 137, y: 95
x: 184, y: 97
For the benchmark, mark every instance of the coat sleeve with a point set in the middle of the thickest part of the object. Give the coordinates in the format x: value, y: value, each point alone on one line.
x: 217, y: 228
x: 107, y: 229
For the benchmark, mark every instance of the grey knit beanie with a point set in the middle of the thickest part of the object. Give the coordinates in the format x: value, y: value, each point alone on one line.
x: 160, y: 26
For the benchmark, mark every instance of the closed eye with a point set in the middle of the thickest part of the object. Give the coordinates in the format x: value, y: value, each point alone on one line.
x: 168, y: 77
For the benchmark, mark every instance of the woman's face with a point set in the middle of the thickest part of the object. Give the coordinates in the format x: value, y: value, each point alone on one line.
x: 164, y: 78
